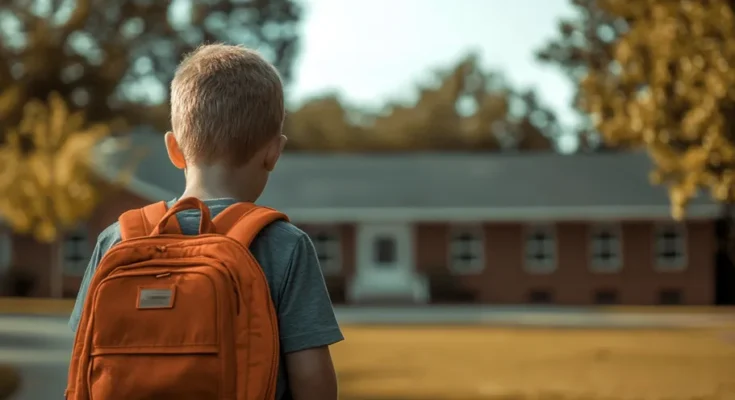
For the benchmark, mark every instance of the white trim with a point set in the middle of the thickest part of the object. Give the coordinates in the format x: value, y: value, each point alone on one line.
x: 617, y: 234
x: 401, y: 233
x: 493, y: 214
x: 475, y: 230
x: 681, y: 264
x: 333, y: 247
x: 379, y: 281
x: 549, y: 229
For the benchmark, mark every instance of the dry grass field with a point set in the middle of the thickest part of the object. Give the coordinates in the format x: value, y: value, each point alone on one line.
x: 433, y: 363
x: 477, y: 363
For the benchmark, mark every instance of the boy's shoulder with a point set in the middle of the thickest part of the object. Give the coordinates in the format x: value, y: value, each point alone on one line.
x: 109, y: 237
x: 280, y: 233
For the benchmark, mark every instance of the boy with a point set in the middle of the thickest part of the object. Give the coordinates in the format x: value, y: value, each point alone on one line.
x: 227, y: 111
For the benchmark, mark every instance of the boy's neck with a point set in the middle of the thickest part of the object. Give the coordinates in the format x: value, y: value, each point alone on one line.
x: 212, y: 184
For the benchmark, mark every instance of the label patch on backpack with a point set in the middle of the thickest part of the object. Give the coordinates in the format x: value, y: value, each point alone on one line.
x: 151, y: 298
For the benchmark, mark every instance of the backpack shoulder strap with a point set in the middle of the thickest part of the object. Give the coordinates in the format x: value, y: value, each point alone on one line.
x: 243, y: 221
x: 141, y: 221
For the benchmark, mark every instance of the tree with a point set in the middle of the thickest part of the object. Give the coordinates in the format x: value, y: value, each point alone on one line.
x: 115, y: 58
x: 110, y: 60
x: 585, y: 43
x: 46, y: 174
x: 535, y: 126
x: 467, y: 109
x: 325, y: 123
x: 45, y: 169
x: 673, y: 91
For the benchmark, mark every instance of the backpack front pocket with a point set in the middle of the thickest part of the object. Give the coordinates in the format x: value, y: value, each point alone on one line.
x: 162, y: 333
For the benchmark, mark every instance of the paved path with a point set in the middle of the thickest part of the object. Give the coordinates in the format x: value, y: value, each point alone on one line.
x: 39, y: 346
x: 561, y: 317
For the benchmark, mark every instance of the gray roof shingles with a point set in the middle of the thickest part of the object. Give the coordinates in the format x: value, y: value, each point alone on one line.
x: 431, y: 180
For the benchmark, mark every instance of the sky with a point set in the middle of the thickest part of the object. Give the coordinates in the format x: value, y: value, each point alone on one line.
x: 372, y: 51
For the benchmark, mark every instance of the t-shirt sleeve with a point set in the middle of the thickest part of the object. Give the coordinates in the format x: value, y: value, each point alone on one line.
x: 76, y: 314
x: 305, y: 314
x: 105, y: 241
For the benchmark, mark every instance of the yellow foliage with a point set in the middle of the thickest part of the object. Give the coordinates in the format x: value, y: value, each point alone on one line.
x: 324, y: 120
x: 674, y: 92
x: 45, y: 171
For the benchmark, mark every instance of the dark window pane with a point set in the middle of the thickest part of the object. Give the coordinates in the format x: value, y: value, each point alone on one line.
x: 385, y: 250
x: 467, y: 257
x: 604, y: 255
x: 605, y: 237
x: 607, y: 296
x: 670, y: 297
x: 540, y: 297
x: 669, y: 236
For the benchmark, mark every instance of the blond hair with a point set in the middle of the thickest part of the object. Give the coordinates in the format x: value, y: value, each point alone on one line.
x: 226, y: 104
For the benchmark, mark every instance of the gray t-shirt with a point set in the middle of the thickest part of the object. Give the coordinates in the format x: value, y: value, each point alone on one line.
x: 305, y: 315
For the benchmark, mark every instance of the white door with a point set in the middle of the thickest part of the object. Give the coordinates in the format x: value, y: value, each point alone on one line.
x: 385, y: 251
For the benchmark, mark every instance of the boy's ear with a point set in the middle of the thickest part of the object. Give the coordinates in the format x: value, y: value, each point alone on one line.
x: 274, y: 152
x: 174, y: 151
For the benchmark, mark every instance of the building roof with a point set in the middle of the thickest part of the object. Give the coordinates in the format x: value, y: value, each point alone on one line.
x: 429, y: 186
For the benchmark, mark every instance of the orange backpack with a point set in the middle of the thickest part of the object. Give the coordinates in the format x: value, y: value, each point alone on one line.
x: 176, y: 317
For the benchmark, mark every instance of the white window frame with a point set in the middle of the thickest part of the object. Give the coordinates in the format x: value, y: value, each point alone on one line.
x: 327, y: 240
x: 474, y: 247
x: 550, y: 248
x: 614, y: 246
x: 76, y: 251
x: 679, y: 242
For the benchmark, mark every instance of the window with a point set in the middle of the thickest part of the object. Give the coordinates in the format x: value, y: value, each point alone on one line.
x: 76, y: 251
x: 605, y: 246
x: 466, y: 250
x: 6, y: 250
x: 670, y: 297
x: 540, y: 296
x: 328, y: 248
x: 540, y: 248
x: 670, y: 247
x: 606, y: 297
x: 384, y: 251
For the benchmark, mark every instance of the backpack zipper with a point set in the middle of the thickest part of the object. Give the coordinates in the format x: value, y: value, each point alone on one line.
x: 166, y: 238
x: 129, y: 270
